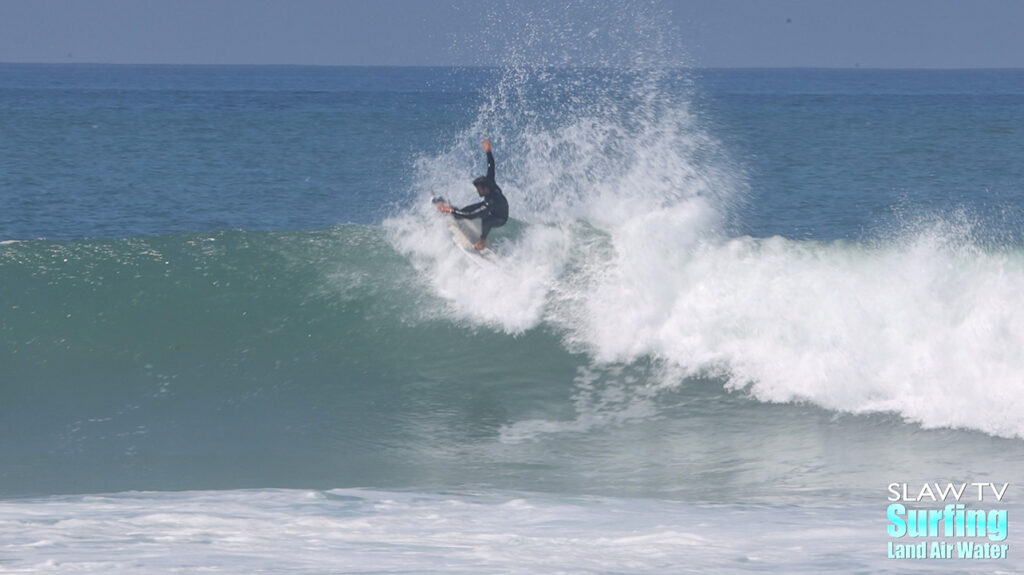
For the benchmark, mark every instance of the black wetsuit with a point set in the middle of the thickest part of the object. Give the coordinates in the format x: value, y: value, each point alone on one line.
x: 494, y: 208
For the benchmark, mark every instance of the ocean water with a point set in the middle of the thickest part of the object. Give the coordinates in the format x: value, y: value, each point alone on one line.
x: 733, y: 306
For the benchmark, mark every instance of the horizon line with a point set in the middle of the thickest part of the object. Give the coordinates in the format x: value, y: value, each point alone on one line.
x: 492, y: 66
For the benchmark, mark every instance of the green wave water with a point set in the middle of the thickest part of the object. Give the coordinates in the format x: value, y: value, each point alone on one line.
x: 329, y: 358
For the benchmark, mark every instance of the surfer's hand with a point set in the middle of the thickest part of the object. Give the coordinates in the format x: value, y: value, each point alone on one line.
x: 487, y: 145
x: 443, y: 208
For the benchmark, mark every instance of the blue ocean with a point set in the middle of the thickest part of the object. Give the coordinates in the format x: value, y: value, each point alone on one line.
x: 731, y: 308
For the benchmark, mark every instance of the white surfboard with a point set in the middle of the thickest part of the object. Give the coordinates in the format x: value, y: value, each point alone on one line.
x: 465, y: 233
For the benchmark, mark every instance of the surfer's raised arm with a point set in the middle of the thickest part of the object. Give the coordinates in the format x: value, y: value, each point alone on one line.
x: 490, y: 159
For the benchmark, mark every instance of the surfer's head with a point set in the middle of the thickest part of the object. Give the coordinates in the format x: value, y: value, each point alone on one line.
x: 483, y: 185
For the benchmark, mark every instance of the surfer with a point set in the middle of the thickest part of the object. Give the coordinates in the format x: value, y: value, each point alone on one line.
x: 493, y: 210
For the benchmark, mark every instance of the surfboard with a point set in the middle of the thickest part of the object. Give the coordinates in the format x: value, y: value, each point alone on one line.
x: 465, y: 233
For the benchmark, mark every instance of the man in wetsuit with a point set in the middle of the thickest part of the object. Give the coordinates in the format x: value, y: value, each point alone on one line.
x: 494, y: 208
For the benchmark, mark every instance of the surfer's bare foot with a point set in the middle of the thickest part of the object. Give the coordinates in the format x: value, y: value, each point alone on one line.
x: 480, y: 244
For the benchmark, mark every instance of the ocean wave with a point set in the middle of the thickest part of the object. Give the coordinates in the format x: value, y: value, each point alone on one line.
x: 330, y: 358
x: 624, y: 244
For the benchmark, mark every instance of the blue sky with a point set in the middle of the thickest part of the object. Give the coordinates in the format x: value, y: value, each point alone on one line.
x: 711, y: 33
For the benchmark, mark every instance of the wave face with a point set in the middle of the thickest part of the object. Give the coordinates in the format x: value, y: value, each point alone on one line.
x: 325, y: 358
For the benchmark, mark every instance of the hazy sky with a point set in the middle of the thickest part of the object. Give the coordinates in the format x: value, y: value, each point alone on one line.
x: 712, y: 33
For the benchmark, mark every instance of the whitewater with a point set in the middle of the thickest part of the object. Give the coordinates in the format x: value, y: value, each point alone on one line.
x: 624, y: 246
